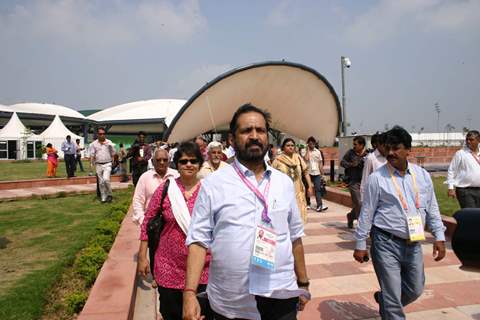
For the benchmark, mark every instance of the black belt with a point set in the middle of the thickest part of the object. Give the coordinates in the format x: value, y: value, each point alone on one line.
x: 474, y: 188
x: 392, y: 236
x: 103, y: 162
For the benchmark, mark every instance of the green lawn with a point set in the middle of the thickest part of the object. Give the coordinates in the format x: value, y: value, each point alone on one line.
x: 38, y: 239
x: 448, y: 206
x: 35, y: 169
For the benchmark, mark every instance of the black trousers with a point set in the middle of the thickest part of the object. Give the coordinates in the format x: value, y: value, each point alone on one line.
x: 272, y: 309
x: 70, y: 164
x: 137, y: 171
x: 468, y: 197
x: 171, y: 303
x: 78, y: 161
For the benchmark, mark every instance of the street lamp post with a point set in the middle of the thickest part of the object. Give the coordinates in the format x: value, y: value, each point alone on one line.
x: 344, y: 63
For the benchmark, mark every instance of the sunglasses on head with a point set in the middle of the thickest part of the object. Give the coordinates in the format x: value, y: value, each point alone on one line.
x: 185, y: 161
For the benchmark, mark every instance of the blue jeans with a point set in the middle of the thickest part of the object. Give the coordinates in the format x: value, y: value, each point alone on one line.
x: 399, y: 270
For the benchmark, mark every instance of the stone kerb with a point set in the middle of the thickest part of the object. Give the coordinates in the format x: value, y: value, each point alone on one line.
x: 113, y: 295
x: 50, y: 182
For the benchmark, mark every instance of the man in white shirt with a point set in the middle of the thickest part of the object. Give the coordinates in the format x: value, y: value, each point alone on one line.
x: 373, y: 161
x: 101, y: 153
x: 256, y: 272
x: 149, y: 182
x: 214, y: 162
x: 463, y: 177
x: 314, y: 161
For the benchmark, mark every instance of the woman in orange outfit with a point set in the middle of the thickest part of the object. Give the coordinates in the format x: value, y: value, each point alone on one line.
x: 52, y: 161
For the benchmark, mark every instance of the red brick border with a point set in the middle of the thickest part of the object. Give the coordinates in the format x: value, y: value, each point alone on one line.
x: 36, y: 183
x: 113, y: 294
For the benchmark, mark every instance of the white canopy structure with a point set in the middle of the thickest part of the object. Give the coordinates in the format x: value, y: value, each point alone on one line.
x: 16, y: 141
x: 56, y: 134
x: 46, y: 109
x: 301, y: 101
x: 151, y: 116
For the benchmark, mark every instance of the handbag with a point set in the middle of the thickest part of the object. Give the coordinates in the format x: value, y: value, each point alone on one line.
x: 155, y: 227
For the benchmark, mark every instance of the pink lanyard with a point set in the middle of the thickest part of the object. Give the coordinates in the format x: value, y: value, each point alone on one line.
x: 262, y: 197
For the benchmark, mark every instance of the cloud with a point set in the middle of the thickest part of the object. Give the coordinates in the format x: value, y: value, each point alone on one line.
x: 198, y: 77
x: 96, y: 23
x: 391, y: 18
x: 281, y: 15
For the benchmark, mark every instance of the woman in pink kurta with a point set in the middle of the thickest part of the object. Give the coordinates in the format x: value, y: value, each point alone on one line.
x: 171, y: 255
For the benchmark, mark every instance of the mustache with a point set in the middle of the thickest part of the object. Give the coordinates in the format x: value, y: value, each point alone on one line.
x: 391, y: 157
x: 254, y: 143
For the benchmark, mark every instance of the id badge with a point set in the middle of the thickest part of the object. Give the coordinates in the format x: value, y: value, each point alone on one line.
x: 141, y: 152
x: 415, y: 227
x: 264, y: 248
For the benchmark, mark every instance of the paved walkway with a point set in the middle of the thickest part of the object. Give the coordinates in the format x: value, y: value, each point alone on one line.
x: 55, y: 190
x: 343, y: 289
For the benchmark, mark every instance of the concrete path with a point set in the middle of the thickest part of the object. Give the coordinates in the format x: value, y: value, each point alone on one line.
x: 343, y: 289
x: 26, y: 193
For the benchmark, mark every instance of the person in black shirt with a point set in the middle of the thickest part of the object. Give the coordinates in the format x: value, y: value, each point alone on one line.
x: 353, y: 163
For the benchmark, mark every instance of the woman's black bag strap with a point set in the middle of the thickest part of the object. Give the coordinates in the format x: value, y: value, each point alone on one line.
x: 155, y: 227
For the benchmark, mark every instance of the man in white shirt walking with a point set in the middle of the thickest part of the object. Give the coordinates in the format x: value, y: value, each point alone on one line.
x: 101, y: 152
x: 314, y: 161
x: 247, y: 215
x: 463, y: 177
x: 373, y: 161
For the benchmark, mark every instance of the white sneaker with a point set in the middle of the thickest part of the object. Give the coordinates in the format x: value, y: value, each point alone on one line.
x: 324, y: 208
x: 308, y: 207
x: 319, y: 209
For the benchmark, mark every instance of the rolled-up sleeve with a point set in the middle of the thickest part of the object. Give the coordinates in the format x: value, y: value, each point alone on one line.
x: 202, y: 224
x: 369, y: 206
x: 452, y: 171
x: 151, y: 212
x: 295, y: 223
x: 433, y: 217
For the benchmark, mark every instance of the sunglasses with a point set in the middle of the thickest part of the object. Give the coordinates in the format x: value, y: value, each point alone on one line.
x: 185, y: 161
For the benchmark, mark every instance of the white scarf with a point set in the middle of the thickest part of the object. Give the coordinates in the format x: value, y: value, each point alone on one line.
x: 179, y: 206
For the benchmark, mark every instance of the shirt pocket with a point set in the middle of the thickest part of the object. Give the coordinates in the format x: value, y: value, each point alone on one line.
x: 279, y: 213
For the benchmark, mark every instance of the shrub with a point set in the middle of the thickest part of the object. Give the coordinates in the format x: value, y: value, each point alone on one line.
x: 89, y: 262
x: 107, y: 227
x: 75, y: 302
x: 102, y: 240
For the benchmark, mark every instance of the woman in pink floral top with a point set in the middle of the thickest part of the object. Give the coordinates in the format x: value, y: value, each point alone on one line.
x: 171, y: 255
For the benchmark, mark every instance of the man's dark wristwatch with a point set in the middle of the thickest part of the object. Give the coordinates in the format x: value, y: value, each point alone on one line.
x: 303, y: 284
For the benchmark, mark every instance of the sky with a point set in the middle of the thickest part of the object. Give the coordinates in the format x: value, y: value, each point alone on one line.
x: 91, y: 54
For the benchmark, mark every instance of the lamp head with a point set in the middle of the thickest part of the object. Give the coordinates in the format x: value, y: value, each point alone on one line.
x: 346, y: 62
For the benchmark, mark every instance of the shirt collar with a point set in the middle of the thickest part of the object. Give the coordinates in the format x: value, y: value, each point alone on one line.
x: 397, y: 172
x: 247, y: 172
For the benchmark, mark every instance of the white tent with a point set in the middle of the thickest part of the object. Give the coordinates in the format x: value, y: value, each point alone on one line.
x: 16, y: 141
x: 56, y: 134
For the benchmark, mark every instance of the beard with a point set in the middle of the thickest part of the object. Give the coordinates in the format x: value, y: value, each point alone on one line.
x: 245, y: 153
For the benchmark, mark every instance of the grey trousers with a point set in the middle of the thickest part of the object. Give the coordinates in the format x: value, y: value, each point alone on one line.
x: 468, y: 197
x: 354, y: 189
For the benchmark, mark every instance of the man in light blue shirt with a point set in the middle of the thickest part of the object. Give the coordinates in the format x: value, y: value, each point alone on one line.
x: 69, y: 149
x: 399, y: 199
x: 228, y: 213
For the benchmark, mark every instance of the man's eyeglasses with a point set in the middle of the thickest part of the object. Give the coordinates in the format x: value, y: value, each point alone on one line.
x: 185, y: 161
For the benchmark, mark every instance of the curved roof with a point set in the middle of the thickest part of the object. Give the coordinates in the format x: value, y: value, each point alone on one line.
x: 155, y: 109
x: 301, y: 101
x: 4, y: 108
x: 45, y: 108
